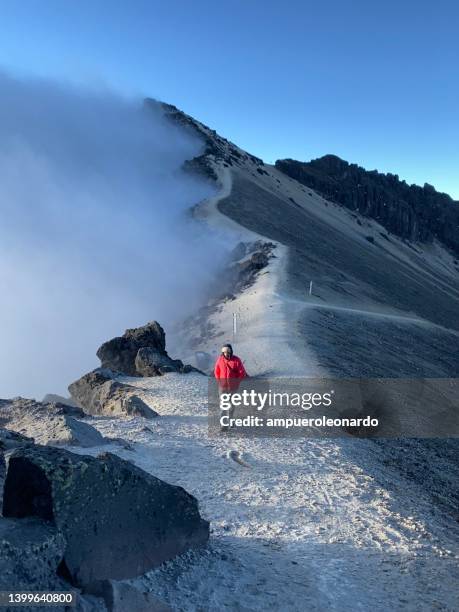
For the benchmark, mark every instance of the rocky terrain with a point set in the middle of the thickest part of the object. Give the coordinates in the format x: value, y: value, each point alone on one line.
x: 114, y: 492
x: 418, y: 214
x: 59, y: 509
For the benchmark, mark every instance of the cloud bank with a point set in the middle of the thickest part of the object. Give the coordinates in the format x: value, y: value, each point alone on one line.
x: 94, y: 236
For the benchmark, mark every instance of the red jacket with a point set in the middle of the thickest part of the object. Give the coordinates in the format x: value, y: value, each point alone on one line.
x: 227, y: 371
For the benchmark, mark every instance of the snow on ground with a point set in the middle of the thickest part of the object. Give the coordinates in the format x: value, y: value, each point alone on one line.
x: 311, y: 524
x: 304, y: 527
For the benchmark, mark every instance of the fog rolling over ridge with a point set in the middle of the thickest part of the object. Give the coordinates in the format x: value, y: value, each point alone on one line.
x: 93, y: 232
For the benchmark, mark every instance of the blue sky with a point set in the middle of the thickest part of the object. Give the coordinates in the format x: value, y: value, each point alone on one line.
x: 373, y: 82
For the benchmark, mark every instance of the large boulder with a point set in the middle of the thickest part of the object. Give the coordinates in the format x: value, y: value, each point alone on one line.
x: 98, y: 393
x: 48, y: 423
x: 118, y: 520
x: 140, y: 352
x: 119, y: 353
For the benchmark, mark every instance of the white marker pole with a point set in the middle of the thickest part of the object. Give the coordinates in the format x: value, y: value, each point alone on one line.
x: 310, y: 288
x: 234, y: 325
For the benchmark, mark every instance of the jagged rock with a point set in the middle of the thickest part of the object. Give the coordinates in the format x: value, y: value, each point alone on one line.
x: 119, y: 353
x: 409, y: 211
x: 257, y: 261
x: 214, y: 146
x: 243, y: 273
x: 151, y: 362
x: 118, y: 521
x: 99, y: 394
x: 47, y: 423
x: 30, y: 553
x: 140, y: 352
x: 121, y: 596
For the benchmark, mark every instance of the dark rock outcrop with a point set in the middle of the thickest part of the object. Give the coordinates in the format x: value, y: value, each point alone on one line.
x: 409, y: 211
x: 100, y: 394
x: 48, y: 423
x: 119, y: 353
x: 118, y: 521
x: 215, y: 147
x: 140, y: 352
x: 243, y: 272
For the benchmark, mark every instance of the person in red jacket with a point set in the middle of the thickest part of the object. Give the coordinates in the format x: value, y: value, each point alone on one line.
x: 229, y: 369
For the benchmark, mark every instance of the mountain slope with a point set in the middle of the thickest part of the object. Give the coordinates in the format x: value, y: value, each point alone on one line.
x: 419, y: 214
x: 319, y: 524
x: 380, y: 305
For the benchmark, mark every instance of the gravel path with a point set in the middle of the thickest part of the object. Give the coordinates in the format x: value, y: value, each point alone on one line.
x: 313, y: 524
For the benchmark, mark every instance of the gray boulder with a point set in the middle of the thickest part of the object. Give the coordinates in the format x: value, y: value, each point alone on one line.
x: 119, y: 353
x: 140, y: 352
x: 118, y: 520
x: 48, y: 423
x: 99, y: 394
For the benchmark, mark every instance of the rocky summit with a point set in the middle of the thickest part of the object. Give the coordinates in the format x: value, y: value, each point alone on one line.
x: 415, y: 213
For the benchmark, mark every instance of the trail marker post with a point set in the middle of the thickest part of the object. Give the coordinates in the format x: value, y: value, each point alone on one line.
x: 310, y: 287
x: 234, y: 325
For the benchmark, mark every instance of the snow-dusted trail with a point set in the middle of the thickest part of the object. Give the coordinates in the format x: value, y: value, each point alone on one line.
x: 310, y: 524
x: 381, y: 314
x: 305, y: 527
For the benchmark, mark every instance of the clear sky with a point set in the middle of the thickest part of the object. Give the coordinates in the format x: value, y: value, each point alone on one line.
x: 374, y: 82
